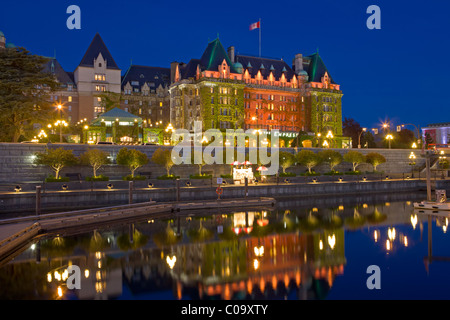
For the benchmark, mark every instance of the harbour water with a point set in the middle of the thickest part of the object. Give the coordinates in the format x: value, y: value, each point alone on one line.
x: 317, y: 248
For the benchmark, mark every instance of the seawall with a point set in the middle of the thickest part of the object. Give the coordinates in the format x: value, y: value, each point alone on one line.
x: 12, y: 203
x: 16, y: 163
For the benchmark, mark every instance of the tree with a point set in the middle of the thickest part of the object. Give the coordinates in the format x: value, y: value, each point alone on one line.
x: 109, y: 100
x: 355, y: 158
x: 369, y: 139
x: 333, y: 158
x: 56, y: 159
x: 163, y: 157
x: 132, y: 158
x: 351, y: 128
x: 308, y: 158
x: 428, y: 139
x: 375, y: 159
x: 198, y: 154
x: 95, y: 158
x: 404, y: 139
x: 24, y: 91
x: 287, y: 159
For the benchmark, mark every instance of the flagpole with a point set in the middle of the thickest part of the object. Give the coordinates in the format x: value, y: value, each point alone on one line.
x: 260, y: 37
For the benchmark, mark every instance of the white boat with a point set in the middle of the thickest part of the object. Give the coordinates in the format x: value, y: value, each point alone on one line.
x: 432, y: 205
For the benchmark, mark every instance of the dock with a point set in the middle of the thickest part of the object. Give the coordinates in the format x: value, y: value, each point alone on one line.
x: 16, y: 232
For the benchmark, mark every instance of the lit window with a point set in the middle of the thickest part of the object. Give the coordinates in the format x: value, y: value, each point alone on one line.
x: 69, y: 98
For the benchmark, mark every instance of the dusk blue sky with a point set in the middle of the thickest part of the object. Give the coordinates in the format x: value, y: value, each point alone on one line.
x: 399, y: 72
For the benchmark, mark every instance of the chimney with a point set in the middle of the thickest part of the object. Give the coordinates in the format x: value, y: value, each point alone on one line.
x: 173, y: 67
x: 298, y: 63
x: 231, y: 54
x: 2, y: 41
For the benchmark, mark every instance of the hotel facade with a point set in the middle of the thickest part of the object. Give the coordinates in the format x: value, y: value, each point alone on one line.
x: 222, y: 89
x: 226, y: 90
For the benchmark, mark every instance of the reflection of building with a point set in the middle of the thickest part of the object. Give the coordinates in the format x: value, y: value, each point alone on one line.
x: 290, y: 263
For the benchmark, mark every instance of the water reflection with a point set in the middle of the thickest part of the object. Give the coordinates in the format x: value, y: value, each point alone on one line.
x: 292, y: 252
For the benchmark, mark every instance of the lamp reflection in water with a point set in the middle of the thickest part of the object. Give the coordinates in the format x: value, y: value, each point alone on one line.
x: 171, y: 261
x: 332, y: 241
x: 414, y: 221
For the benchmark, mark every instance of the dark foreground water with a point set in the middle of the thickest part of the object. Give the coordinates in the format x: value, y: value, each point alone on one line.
x: 317, y: 248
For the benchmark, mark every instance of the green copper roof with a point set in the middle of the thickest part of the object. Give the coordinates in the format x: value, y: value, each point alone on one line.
x: 317, y: 69
x: 214, y: 55
x: 117, y: 113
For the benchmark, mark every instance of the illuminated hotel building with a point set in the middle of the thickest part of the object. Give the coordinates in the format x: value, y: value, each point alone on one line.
x: 226, y: 90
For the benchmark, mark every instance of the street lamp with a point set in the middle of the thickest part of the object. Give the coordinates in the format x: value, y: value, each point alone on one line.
x: 412, y: 163
x: 330, y: 136
x: 61, y: 123
x: 170, y: 129
x: 389, y: 137
x: 359, y: 137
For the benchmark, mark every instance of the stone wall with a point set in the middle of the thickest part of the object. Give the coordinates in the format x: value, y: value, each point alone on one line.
x: 16, y: 163
x: 76, y: 199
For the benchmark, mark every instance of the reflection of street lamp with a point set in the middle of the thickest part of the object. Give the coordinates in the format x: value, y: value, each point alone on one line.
x: 389, y: 137
x: 171, y: 261
x: 359, y: 137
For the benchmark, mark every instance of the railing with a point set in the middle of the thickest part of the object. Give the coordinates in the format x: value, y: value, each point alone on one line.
x: 34, y: 227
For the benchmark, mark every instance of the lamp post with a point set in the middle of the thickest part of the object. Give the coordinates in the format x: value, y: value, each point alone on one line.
x: 442, y: 162
x: 61, y: 123
x: 419, y: 139
x: 319, y: 135
x: 359, y: 137
x: 412, y: 163
x: 331, y: 137
x: 170, y: 129
x: 389, y: 137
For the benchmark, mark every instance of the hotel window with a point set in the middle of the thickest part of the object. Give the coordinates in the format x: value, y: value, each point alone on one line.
x: 69, y: 99
x: 100, y: 88
x: 212, y: 90
x: 160, y: 104
x: 100, y: 77
x: 69, y: 108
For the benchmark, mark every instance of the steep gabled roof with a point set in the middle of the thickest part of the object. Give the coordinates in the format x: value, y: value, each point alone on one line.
x: 153, y: 76
x: 53, y: 67
x: 189, y: 70
x: 96, y: 47
x: 316, y: 68
x: 213, y: 57
x: 265, y: 65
